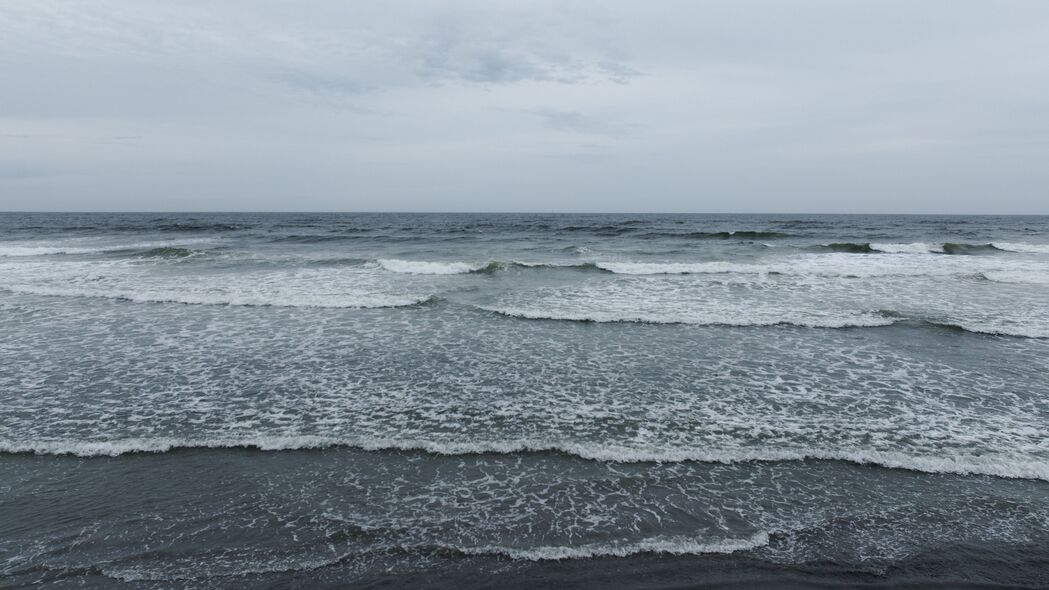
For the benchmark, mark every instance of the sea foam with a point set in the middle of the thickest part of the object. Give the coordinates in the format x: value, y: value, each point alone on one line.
x: 665, y: 545
x: 992, y: 464
x: 429, y: 268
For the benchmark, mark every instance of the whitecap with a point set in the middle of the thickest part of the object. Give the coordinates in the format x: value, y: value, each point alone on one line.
x: 665, y: 545
x: 1022, y: 247
x: 992, y: 464
x: 909, y: 248
x: 428, y: 268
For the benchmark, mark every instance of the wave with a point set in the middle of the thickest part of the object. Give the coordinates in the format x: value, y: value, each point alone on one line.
x: 857, y: 320
x: 429, y: 268
x: 865, y: 319
x: 990, y: 464
x: 664, y: 545
x: 168, y: 252
x: 1019, y: 247
x: 833, y: 264
x: 848, y: 247
x: 968, y: 249
x: 677, y: 545
x: 449, y: 268
x: 674, y: 268
x: 25, y: 250
x: 43, y: 250
x: 584, y: 266
x: 909, y: 248
x: 452, y: 268
x: 1024, y: 330
x: 1006, y: 276
x: 719, y: 235
x: 960, y: 248
x: 238, y: 299
x: 197, y: 227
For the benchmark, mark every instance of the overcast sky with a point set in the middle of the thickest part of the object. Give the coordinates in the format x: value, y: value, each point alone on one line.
x: 733, y: 106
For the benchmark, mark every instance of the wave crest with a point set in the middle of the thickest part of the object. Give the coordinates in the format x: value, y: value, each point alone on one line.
x: 990, y: 464
x: 968, y: 249
x: 240, y: 298
x: 663, y: 545
x: 429, y: 268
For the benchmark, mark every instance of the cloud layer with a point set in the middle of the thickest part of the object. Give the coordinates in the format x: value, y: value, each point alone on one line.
x: 811, y: 106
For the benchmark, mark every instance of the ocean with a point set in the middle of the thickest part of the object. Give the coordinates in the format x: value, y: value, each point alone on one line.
x: 523, y: 400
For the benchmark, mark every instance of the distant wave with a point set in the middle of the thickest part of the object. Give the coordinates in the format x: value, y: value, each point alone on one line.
x: 867, y: 319
x: 909, y: 248
x: 953, y: 248
x: 959, y: 248
x: 429, y: 268
x: 198, y: 227
x: 666, y: 545
x: 812, y: 264
x: 670, y: 268
x: 451, y: 268
x: 585, y: 266
x: 51, y: 249
x: 849, y: 247
x: 21, y: 250
x: 719, y: 235
x: 240, y: 298
x: 345, y: 234
x: 992, y: 464
x: 168, y: 252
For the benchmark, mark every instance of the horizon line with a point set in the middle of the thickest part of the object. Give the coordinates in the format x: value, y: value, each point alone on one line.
x: 465, y: 212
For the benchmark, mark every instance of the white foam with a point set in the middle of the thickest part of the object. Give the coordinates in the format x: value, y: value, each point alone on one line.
x: 743, y: 318
x: 1022, y: 247
x: 666, y: 545
x: 1013, y: 276
x: 24, y: 249
x: 1032, y: 327
x: 910, y: 248
x: 243, y: 298
x: 338, y: 287
x: 993, y: 464
x: 837, y: 264
x: 6, y: 250
x: 428, y: 268
x: 670, y: 268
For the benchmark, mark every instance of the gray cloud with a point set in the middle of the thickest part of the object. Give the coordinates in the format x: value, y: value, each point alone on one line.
x: 553, y: 105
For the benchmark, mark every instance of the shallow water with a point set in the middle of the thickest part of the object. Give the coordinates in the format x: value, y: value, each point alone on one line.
x: 462, y: 400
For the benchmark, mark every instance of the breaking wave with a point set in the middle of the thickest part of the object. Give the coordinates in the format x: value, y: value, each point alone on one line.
x: 452, y: 268
x: 429, y: 268
x: 786, y: 317
x: 168, y: 252
x: 848, y: 247
x: 52, y: 249
x: 719, y: 235
x: 990, y: 464
x: 239, y: 298
x: 664, y: 545
x: 910, y: 248
x: 1019, y: 247
x: 852, y: 320
x: 953, y: 248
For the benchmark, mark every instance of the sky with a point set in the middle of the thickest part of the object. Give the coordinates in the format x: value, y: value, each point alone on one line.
x: 821, y: 106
